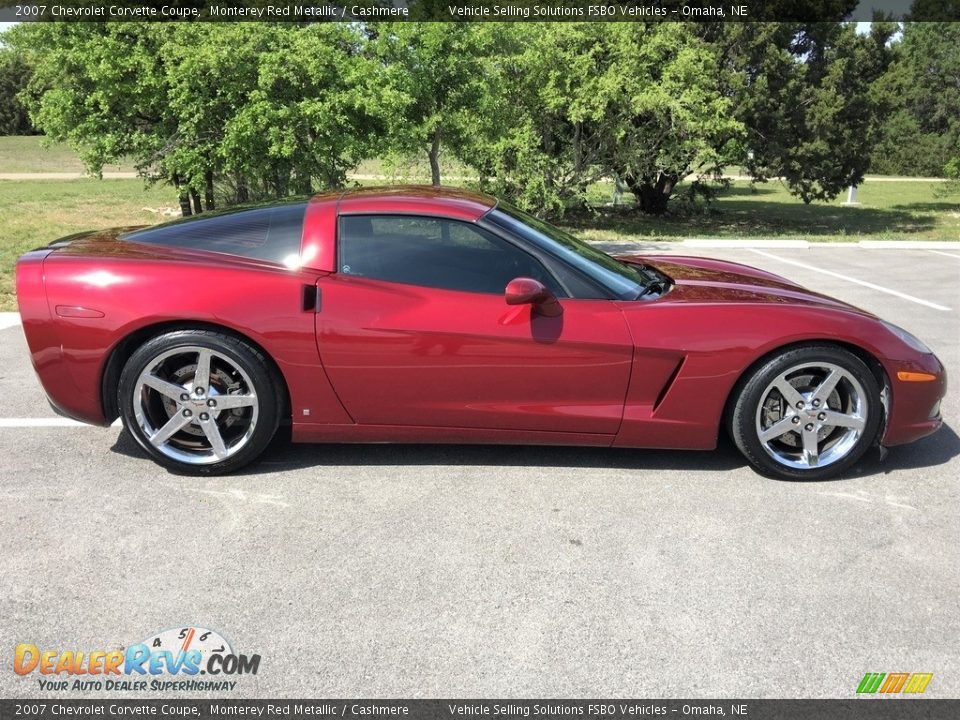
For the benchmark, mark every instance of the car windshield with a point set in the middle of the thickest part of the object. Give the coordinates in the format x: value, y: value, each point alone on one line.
x: 625, y: 281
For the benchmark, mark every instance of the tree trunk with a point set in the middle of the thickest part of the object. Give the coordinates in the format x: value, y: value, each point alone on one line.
x: 434, y: 155
x: 184, y: 197
x: 303, y: 183
x: 243, y: 192
x: 209, y: 203
x: 197, y: 207
x: 547, y: 139
x: 281, y: 181
x: 652, y: 196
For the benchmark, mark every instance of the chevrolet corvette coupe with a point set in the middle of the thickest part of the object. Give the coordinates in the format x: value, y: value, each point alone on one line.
x: 419, y: 315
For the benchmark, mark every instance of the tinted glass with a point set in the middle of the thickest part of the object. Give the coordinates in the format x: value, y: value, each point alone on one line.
x: 622, y: 279
x: 270, y: 233
x: 433, y: 252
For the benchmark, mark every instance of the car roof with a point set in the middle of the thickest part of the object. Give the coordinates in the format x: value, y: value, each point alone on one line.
x: 457, y: 203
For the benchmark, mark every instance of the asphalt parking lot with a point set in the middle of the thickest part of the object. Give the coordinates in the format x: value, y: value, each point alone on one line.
x: 439, y: 571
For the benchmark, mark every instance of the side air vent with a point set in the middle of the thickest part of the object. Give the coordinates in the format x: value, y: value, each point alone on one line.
x: 311, y: 298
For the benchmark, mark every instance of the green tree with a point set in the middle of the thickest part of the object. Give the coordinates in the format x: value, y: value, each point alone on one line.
x: 14, y: 75
x: 436, y: 72
x: 315, y: 110
x: 804, y: 94
x: 667, y: 115
x: 102, y: 88
x: 583, y: 101
x: 267, y: 108
x: 921, y: 95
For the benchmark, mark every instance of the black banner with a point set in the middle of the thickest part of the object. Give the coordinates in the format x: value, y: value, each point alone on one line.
x: 282, y: 709
x: 304, y: 11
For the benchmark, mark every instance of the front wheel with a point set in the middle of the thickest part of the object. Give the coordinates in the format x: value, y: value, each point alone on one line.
x: 200, y: 402
x: 807, y: 414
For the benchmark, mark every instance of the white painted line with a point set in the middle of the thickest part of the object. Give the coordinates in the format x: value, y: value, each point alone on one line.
x: 910, y: 244
x: 46, y: 422
x: 9, y: 320
x: 864, y: 283
x: 937, y: 252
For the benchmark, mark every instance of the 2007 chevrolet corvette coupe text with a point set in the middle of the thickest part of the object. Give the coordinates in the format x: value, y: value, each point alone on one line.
x: 420, y: 315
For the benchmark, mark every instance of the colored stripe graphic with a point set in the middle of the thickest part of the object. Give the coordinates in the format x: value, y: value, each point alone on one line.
x: 894, y: 682
x: 870, y: 682
x: 914, y: 683
x: 918, y: 682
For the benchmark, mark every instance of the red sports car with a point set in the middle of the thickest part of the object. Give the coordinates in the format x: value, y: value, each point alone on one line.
x: 420, y: 315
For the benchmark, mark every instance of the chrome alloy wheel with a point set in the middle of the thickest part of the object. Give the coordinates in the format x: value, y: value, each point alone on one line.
x: 811, y: 416
x: 195, y: 405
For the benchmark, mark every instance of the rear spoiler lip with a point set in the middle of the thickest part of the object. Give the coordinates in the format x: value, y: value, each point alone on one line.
x: 73, y: 237
x: 65, y: 240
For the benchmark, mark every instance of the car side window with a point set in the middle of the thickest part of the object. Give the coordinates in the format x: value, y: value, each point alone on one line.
x: 433, y: 252
x: 269, y: 233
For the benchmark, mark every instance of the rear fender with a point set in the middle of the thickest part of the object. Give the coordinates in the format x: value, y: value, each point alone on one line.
x: 261, y: 303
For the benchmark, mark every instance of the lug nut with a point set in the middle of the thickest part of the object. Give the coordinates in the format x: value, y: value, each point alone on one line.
x: 800, y: 405
x: 211, y: 403
x: 796, y: 421
x: 808, y: 427
x: 187, y: 413
x: 199, y: 391
x: 822, y: 416
x: 184, y: 397
x: 204, y: 416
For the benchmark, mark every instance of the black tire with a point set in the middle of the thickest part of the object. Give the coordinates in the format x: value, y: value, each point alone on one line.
x: 227, y: 421
x: 810, y: 446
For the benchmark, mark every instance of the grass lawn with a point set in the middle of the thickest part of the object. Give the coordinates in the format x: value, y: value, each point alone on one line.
x: 888, y: 210
x: 25, y: 153
x: 35, y: 212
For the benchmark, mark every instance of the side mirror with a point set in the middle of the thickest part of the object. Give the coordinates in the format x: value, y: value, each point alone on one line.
x: 527, y: 291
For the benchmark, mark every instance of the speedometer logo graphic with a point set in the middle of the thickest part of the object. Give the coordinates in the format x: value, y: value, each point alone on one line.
x: 194, y: 638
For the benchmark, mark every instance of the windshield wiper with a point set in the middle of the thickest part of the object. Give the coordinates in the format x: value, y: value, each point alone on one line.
x: 658, y: 285
x: 656, y: 281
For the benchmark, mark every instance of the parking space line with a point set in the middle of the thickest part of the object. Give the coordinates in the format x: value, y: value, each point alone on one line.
x: 938, y: 252
x: 46, y: 422
x: 864, y: 283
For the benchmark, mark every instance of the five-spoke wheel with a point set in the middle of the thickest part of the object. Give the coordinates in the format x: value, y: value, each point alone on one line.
x: 199, y: 402
x: 807, y: 413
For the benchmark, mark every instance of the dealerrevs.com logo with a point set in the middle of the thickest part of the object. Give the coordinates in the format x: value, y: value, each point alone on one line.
x: 171, y: 660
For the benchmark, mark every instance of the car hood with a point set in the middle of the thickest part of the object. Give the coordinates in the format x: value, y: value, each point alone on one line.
x: 706, y: 280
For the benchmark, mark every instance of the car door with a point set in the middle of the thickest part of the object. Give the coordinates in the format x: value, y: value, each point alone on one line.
x: 414, y: 330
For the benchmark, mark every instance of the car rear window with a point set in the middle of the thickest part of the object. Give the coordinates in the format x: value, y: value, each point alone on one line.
x: 267, y: 233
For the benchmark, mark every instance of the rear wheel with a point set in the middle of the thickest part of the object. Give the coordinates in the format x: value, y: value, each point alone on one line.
x: 807, y: 414
x: 200, y: 402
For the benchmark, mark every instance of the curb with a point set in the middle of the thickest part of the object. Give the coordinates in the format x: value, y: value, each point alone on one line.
x: 806, y: 245
x: 769, y: 243
x: 9, y: 320
x: 908, y: 244
x: 721, y: 243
